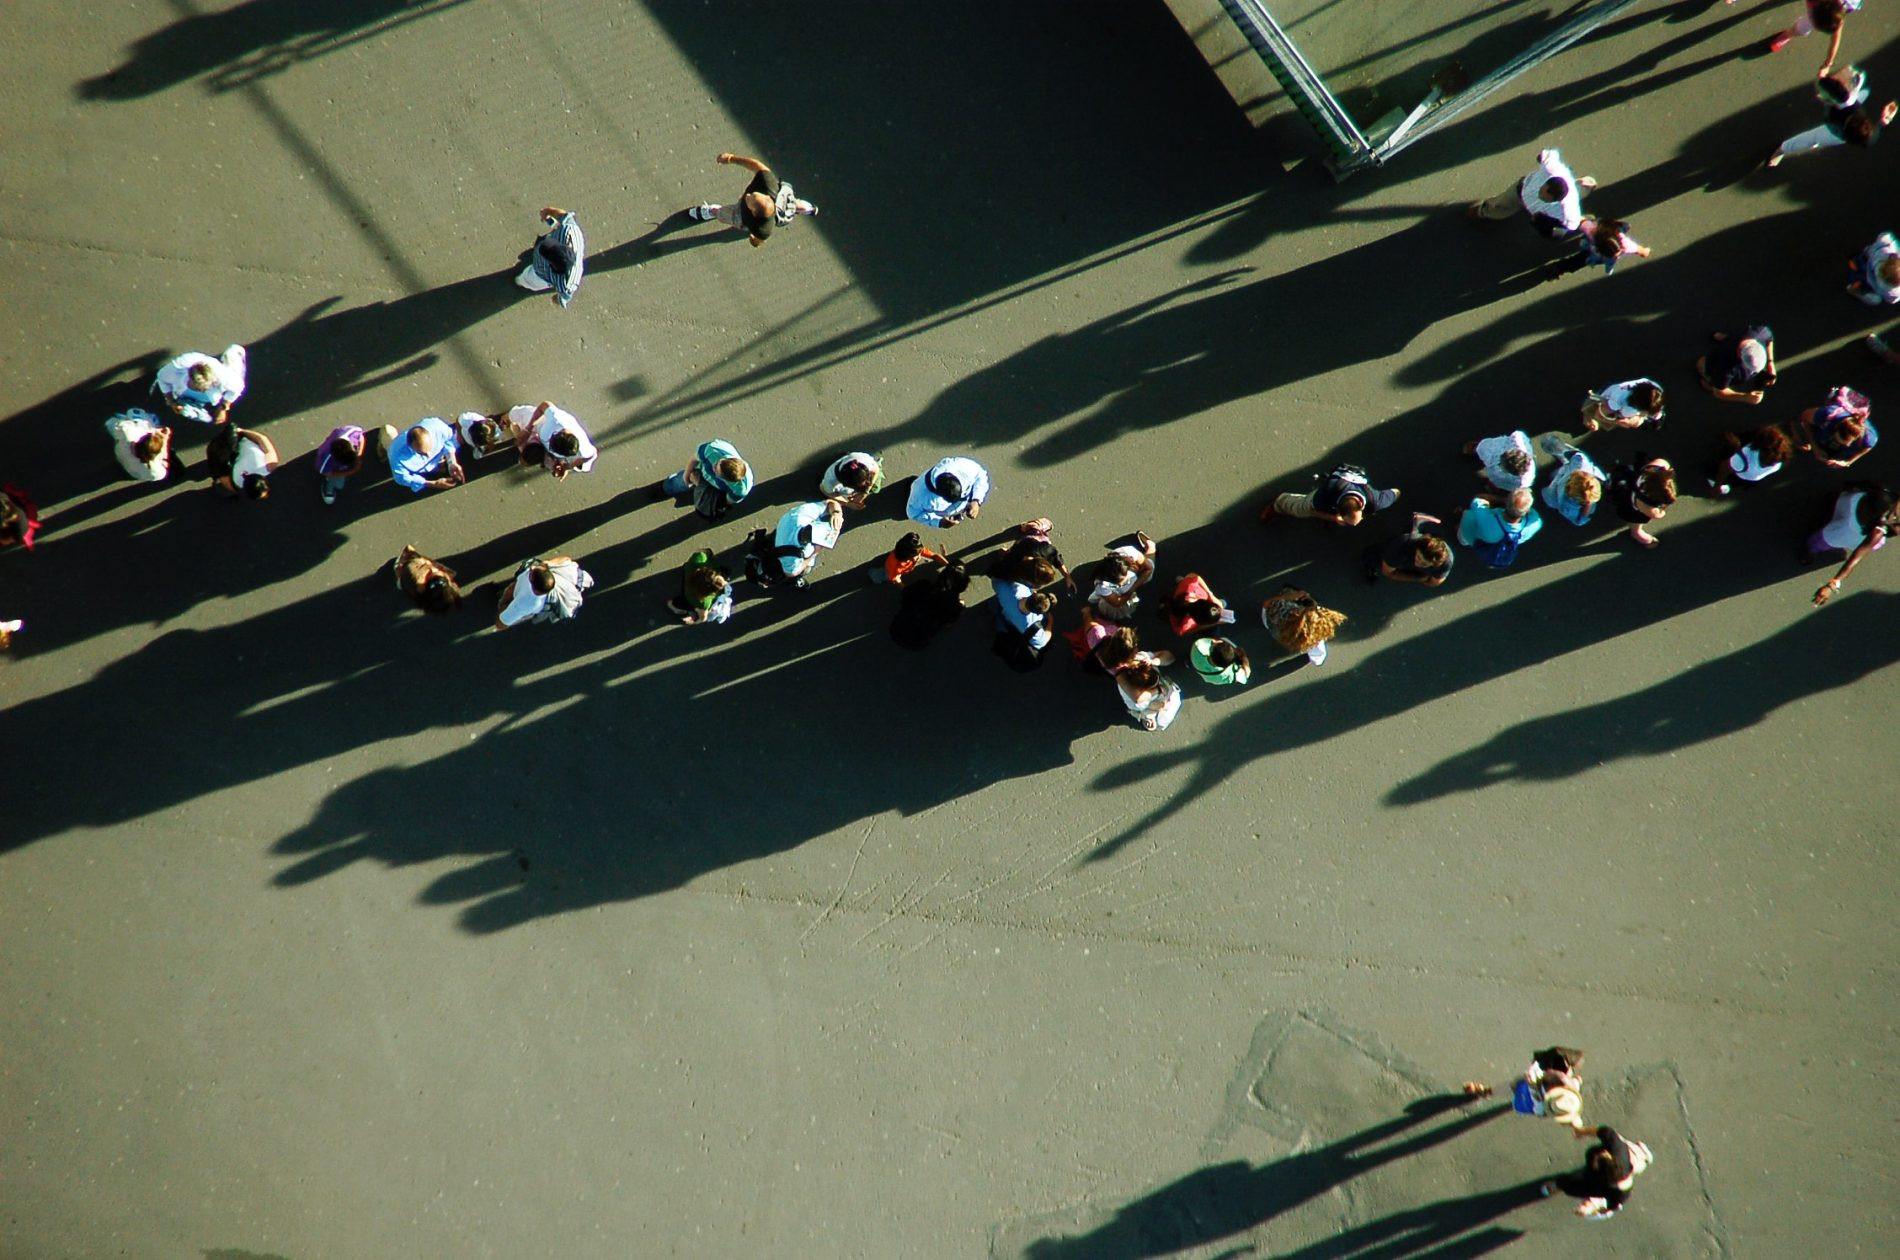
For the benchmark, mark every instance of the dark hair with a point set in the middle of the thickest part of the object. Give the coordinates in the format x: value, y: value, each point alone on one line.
x: 705, y: 581
x: 560, y: 256
x: 533, y: 453
x: 439, y: 595
x: 1647, y: 397
x: 565, y: 444
x: 1608, y: 238
x: 1040, y: 602
x: 540, y: 578
x: 1113, y: 568
x: 1200, y: 612
x: 149, y: 448
x: 1657, y: 486
x: 1827, y: 15
x: 1141, y: 673
x: 857, y: 474
x: 343, y: 453
x: 1556, y: 188
x: 257, y: 487
x: 1117, y: 649
x: 1515, y: 461
x: 1436, y: 552
x: 1222, y: 652
x: 948, y: 485
x: 483, y: 432
x: 10, y: 519
x: 1857, y: 129
x: 1772, y: 444
x: 909, y: 546
x: 954, y: 578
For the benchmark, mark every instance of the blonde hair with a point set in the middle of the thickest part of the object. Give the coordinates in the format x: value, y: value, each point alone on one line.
x: 201, y: 375
x: 1583, y: 488
x: 1300, y: 624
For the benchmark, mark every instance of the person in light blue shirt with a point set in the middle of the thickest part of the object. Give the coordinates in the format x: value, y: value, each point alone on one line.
x: 424, y: 457
x: 1021, y: 608
x: 1494, y: 533
x: 1576, y: 488
x: 950, y: 491
x: 802, y: 532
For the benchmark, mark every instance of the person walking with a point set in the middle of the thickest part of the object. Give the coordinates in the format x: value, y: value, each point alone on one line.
x: 1756, y: 457
x: 1344, y: 496
x: 422, y: 457
x: 1610, y: 1169
x: 429, y: 584
x: 1600, y: 243
x: 1866, y: 514
x: 480, y: 435
x: 1494, y: 532
x: 558, y: 258
x: 1574, y: 490
x: 338, y: 459
x: 241, y: 461
x: 949, y: 492
x: 1551, y: 1088
x: 1844, y: 117
x: 1641, y: 492
x: 1550, y: 194
x: 1219, y: 662
x: 1739, y: 366
x: 1826, y: 16
x: 1624, y: 405
x: 1507, y: 462
x: 199, y: 387
x: 768, y: 202
x: 705, y: 592
x: 852, y: 479
x: 1299, y: 624
x: 1875, y: 514
x: 141, y: 444
x: 1023, y: 617
x: 1840, y: 432
x: 543, y: 590
x: 1151, y: 699
x: 1874, y: 273
x: 1414, y: 556
x: 552, y: 438
x: 716, y: 478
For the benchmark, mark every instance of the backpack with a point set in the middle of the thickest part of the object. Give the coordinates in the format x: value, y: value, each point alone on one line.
x: 1500, y: 554
x: 1013, y: 646
x: 762, y: 560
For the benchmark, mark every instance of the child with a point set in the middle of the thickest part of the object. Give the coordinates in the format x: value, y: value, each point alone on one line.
x: 897, y: 564
x: 705, y: 592
x: 484, y: 435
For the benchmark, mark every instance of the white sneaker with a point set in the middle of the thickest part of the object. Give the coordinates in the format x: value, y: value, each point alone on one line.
x: 12, y: 627
x: 703, y: 212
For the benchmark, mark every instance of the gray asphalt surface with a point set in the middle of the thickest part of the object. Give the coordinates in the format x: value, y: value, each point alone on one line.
x: 335, y: 932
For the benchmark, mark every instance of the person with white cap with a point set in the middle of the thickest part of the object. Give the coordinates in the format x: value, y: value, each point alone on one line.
x: 951, y: 490
x: 1739, y: 366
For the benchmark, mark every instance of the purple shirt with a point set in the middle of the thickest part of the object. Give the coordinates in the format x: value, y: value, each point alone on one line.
x: 327, y: 467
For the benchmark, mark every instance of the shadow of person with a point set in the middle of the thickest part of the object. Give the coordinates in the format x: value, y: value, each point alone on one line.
x: 1826, y: 651
x: 1450, y: 1229
x: 247, y: 41
x: 1223, y: 1200
x: 54, y: 438
x: 661, y: 241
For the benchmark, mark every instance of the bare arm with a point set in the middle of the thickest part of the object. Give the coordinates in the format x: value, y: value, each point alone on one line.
x: 749, y: 163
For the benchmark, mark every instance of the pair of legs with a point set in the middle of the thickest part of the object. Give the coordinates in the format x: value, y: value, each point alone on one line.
x: 707, y: 212
x: 1300, y: 506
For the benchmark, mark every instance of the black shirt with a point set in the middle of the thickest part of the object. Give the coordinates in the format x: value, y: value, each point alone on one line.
x: 767, y: 183
x: 1401, y: 556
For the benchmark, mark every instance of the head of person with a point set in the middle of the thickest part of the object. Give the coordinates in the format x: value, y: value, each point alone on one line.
x: 1657, y: 486
x: 1648, y: 399
x: 148, y: 448
x: 1582, y: 488
x: 1752, y: 355
x: 730, y: 469
x: 948, y: 486
x: 1515, y: 461
x: 421, y: 440
x: 1117, y: 649
x: 706, y: 582
x: 909, y: 547
x: 533, y: 454
x: 1556, y: 188
x: 1141, y: 674
x: 343, y: 454
x: 1224, y: 652
x: 202, y: 376
x: 1518, y: 506
x: 1201, y: 612
x: 1827, y: 15
x: 1040, y: 604
x: 564, y: 445
x: 1431, y: 552
x: 1889, y: 271
x: 955, y: 578
x: 1352, y: 505
x: 1034, y: 572
x: 855, y: 474
x: 1847, y: 430
x: 1771, y: 443
x: 1857, y: 129
x: 1114, y: 569
x: 256, y: 487
x: 560, y: 256
x: 540, y: 579
x: 438, y: 595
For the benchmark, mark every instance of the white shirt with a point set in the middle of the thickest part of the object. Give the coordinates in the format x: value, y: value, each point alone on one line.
x: 251, y: 462
x: 1616, y: 399
x: 526, y: 602
x: 927, y: 507
x: 1569, y: 211
x: 1491, y: 451
x: 792, y: 524
x: 127, y: 429
x: 227, y: 384
x: 1746, y: 464
x: 557, y: 421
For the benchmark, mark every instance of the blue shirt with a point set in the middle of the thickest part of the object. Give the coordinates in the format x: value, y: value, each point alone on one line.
x: 1574, y: 461
x: 1483, y: 523
x: 411, y: 469
x: 709, y: 454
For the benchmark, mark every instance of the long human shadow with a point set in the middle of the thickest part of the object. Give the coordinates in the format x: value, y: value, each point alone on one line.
x: 247, y: 42
x: 1223, y: 1200
x: 38, y: 443
x: 1823, y: 652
